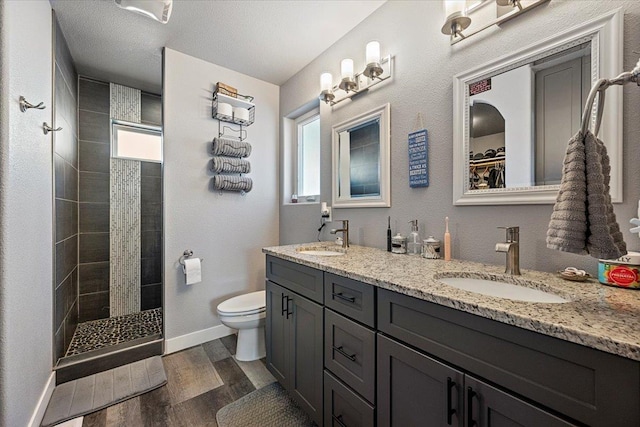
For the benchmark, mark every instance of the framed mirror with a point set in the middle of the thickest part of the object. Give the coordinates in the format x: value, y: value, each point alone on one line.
x: 514, y: 116
x: 361, y: 161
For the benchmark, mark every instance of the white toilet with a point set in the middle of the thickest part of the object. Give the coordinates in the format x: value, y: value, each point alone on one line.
x: 246, y: 313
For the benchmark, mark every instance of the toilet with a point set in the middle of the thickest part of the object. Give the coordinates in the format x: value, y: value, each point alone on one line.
x: 246, y: 313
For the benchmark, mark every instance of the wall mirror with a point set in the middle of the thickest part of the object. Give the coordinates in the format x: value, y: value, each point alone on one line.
x: 514, y: 116
x: 361, y: 162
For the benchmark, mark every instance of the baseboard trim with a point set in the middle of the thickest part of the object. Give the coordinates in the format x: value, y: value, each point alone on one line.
x: 171, y: 345
x: 41, y: 407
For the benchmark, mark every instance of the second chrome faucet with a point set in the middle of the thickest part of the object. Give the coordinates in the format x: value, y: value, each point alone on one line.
x: 345, y: 233
x: 512, y: 248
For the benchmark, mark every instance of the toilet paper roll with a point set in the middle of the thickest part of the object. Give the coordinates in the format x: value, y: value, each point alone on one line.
x: 225, y: 109
x: 192, y: 270
x: 241, y: 114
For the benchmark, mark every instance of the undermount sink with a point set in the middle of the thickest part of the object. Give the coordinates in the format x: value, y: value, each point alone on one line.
x: 321, y: 251
x: 502, y: 290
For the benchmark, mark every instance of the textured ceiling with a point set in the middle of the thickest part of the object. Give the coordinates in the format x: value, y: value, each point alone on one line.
x: 269, y: 40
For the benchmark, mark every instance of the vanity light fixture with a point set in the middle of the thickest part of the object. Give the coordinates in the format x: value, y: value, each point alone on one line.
x: 376, y: 71
x: 159, y: 10
x: 458, y: 15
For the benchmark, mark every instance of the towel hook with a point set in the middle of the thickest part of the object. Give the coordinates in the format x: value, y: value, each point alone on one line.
x: 46, y: 128
x: 25, y: 105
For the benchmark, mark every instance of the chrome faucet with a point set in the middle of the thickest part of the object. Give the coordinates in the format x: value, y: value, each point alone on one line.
x: 345, y: 233
x: 512, y: 248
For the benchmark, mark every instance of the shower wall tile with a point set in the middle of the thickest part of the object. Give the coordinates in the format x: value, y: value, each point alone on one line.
x: 93, y: 306
x: 58, y: 342
x: 58, y: 170
x: 151, y: 271
x: 70, y: 324
x: 94, y: 217
x: 65, y: 141
x: 94, y: 277
x: 94, y: 247
x: 151, y: 113
x: 66, y: 219
x: 94, y: 96
x: 70, y: 182
x: 64, y: 60
x: 151, y: 190
x: 65, y: 102
x: 94, y: 187
x: 151, y: 217
x: 151, y: 169
x: 151, y: 244
x: 94, y: 157
x: 64, y: 298
x: 66, y: 258
x: 94, y: 126
x: 151, y: 297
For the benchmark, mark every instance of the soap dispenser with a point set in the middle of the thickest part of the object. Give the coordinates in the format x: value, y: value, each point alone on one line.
x: 414, y: 243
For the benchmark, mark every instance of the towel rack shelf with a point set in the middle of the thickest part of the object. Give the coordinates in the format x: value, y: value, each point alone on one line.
x: 241, y: 101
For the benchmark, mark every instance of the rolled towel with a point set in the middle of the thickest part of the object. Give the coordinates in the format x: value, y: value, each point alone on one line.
x: 232, y: 183
x: 231, y: 148
x: 230, y: 165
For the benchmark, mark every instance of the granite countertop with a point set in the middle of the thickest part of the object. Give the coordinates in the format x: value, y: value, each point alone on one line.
x: 598, y: 316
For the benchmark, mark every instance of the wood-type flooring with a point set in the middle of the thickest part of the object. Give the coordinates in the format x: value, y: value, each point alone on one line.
x: 201, y: 380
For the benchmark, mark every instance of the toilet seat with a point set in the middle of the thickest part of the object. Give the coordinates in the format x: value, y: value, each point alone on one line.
x: 244, y: 305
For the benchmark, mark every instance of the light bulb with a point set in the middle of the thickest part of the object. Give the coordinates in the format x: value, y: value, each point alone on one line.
x: 326, y: 82
x: 454, y: 6
x: 346, y: 69
x: 373, y: 52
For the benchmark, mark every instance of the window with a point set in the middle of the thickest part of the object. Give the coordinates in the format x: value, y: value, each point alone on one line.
x: 308, y: 147
x: 136, y: 141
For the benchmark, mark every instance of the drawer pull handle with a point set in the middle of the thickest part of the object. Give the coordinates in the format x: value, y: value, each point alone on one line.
x: 284, y: 305
x: 345, y: 297
x: 289, y: 313
x: 351, y: 357
x: 470, y: 395
x: 338, y: 419
x: 450, y: 411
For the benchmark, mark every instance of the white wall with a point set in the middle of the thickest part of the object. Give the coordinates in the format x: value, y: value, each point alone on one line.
x: 512, y: 94
x: 26, y: 249
x: 227, y: 230
x: 425, y: 64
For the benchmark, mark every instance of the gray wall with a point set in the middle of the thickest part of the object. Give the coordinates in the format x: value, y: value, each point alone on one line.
x: 26, y: 206
x: 65, y: 161
x: 425, y: 64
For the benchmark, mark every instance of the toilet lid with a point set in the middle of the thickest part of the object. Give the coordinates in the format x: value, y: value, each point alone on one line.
x: 248, y: 303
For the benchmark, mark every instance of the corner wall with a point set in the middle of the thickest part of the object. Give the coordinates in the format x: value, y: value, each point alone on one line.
x: 227, y: 230
x: 26, y: 193
x: 425, y: 64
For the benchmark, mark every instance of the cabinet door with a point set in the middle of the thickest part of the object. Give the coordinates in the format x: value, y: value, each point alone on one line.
x: 486, y: 406
x: 277, y: 332
x: 306, y: 351
x: 415, y: 390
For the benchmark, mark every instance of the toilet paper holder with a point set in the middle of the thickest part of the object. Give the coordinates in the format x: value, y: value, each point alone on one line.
x: 186, y: 254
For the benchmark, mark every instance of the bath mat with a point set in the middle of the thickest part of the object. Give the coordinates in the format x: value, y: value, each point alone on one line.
x: 95, y: 392
x: 269, y: 406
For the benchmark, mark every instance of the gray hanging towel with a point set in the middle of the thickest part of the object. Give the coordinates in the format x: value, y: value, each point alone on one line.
x: 232, y: 183
x: 230, y: 165
x: 583, y: 221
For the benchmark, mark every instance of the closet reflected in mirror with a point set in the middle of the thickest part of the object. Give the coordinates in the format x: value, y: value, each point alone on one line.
x: 514, y: 116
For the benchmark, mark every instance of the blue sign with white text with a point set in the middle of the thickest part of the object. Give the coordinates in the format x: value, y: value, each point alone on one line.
x: 418, y: 159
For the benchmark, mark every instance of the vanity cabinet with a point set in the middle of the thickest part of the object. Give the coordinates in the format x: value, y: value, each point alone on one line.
x: 294, y: 334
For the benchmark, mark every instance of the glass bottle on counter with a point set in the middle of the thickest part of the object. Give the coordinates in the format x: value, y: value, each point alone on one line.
x: 414, y: 243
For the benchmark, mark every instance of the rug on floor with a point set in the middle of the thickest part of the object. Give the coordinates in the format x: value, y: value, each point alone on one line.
x: 88, y: 394
x: 269, y: 406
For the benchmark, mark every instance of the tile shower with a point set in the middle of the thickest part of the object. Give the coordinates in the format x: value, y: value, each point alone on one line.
x: 108, y: 310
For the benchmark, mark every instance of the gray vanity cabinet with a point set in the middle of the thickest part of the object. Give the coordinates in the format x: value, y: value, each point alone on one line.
x: 294, y: 333
x: 416, y: 390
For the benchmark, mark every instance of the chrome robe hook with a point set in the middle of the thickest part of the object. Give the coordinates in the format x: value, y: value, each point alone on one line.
x: 25, y: 105
x: 46, y: 128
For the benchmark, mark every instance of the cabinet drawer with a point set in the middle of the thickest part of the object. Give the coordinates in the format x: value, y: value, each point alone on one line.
x: 342, y: 407
x: 301, y: 279
x: 349, y: 297
x: 350, y: 353
x: 591, y: 386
